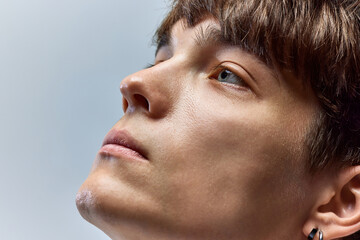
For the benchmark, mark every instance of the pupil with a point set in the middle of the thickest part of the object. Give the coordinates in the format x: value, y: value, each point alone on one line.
x: 224, y: 74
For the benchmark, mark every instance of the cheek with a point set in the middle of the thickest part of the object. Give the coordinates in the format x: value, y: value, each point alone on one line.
x: 239, y: 159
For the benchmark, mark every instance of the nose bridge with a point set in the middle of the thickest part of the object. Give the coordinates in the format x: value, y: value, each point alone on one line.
x: 148, y: 91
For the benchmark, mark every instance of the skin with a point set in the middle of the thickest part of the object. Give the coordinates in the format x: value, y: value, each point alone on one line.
x: 226, y: 159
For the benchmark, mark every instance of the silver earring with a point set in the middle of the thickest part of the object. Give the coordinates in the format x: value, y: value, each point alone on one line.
x: 321, y: 235
x: 312, y: 234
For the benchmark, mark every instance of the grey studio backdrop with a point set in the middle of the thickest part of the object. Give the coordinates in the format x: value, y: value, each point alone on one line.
x: 61, y: 63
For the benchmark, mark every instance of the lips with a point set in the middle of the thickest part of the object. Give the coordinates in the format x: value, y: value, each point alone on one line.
x: 120, y: 143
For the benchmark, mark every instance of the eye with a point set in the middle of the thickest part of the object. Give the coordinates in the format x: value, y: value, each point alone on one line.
x: 227, y: 76
x: 149, y: 65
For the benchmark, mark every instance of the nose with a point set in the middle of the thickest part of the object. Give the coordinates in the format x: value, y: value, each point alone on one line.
x: 146, y: 92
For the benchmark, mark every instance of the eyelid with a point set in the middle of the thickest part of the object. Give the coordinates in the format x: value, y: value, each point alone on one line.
x: 234, y: 69
x: 149, y: 65
x: 158, y: 62
x: 164, y: 53
x: 249, y: 75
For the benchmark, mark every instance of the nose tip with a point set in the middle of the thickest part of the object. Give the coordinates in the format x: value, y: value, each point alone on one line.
x: 133, y: 99
x: 143, y: 95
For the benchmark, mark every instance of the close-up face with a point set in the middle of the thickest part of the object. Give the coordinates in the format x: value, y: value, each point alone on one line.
x: 213, y: 147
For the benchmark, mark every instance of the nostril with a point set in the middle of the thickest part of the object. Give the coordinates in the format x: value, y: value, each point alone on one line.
x: 125, y: 104
x: 142, y: 101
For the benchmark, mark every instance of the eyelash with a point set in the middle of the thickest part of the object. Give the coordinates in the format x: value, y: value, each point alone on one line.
x: 149, y: 65
x: 220, y: 69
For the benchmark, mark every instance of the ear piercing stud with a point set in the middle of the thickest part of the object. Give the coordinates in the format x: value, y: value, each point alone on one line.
x: 313, y: 233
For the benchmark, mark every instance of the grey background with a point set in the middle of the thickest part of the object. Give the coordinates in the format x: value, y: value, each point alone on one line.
x: 61, y: 63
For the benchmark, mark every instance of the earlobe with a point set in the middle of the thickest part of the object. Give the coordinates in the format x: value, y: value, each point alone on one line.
x: 337, y: 213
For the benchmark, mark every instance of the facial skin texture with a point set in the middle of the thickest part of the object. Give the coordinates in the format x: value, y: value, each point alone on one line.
x: 226, y: 161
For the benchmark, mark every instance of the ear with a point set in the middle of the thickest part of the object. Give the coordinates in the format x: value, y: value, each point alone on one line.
x: 337, y: 209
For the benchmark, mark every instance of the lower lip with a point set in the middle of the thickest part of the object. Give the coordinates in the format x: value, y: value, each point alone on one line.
x: 120, y: 152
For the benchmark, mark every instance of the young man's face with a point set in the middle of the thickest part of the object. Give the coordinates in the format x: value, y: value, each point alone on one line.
x: 223, y: 137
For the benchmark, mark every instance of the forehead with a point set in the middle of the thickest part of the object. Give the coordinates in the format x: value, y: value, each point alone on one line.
x: 204, y: 33
x: 207, y: 31
x: 235, y: 24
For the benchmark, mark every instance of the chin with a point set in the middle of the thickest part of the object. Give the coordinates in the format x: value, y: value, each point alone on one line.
x: 114, y: 206
x: 92, y: 201
x: 116, y: 217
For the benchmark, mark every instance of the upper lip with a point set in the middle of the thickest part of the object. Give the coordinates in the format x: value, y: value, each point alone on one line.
x: 123, y: 138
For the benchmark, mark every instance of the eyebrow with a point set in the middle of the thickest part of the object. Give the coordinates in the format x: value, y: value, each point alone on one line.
x: 204, y: 36
x: 209, y: 35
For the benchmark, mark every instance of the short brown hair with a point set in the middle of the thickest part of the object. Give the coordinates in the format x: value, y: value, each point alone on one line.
x: 319, y: 41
